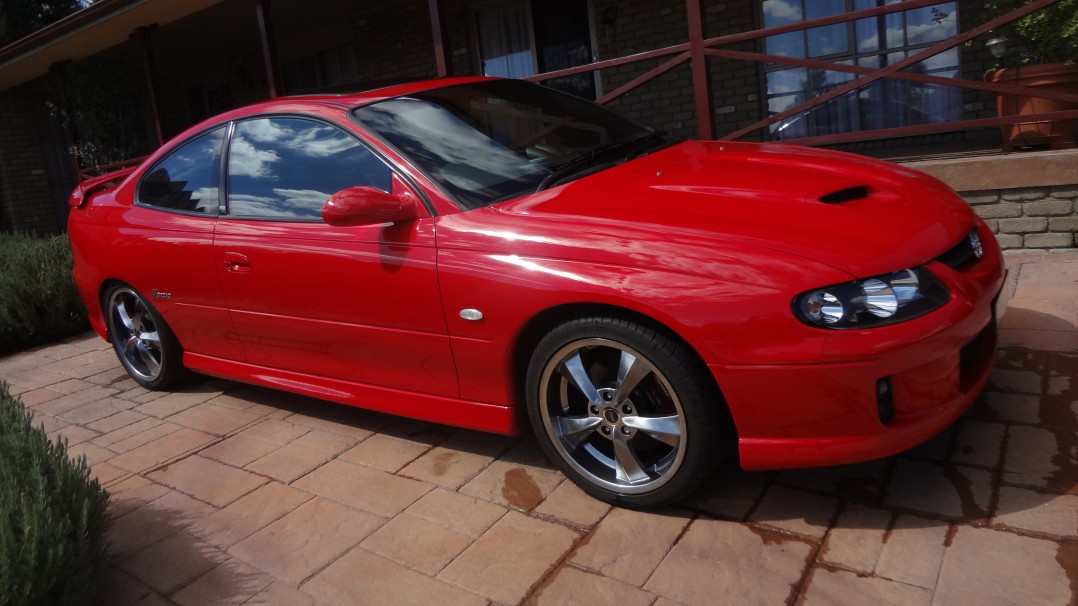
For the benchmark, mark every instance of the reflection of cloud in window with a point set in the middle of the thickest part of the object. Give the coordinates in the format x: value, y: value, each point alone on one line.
x: 783, y: 10
x: 261, y: 206
x: 467, y: 158
x: 320, y: 142
x: 309, y: 139
x: 307, y: 198
x: 247, y: 161
x: 924, y: 32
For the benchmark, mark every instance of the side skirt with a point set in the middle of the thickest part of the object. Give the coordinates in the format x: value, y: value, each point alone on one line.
x: 437, y: 409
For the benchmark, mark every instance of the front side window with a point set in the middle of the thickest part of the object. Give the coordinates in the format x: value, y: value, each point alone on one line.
x: 874, y: 42
x: 188, y: 179
x: 286, y: 168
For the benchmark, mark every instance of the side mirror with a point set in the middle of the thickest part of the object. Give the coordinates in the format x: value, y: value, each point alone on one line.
x: 367, y: 206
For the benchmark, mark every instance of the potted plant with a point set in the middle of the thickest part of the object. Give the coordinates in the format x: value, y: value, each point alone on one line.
x: 1039, y: 50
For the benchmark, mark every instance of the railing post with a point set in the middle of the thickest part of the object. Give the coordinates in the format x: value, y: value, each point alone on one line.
x: 437, y: 28
x: 149, y: 64
x: 269, y: 48
x: 700, y: 78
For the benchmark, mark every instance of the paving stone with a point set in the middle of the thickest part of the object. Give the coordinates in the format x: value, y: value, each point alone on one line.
x: 281, y: 593
x: 251, y: 513
x: 856, y: 541
x: 380, y: 581
x: 446, y: 467
x: 231, y: 582
x: 572, y: 586
x: 136, y: 434
x: 207, y: 480
x: 1041, y: 458
x: 1040, y: 340
x: 952, y: 491
x: 117, y: 588
x: 1014, y: 381
x: 458, y: 512
x: 94, y: 454
x: 300, y: 456
x: 161, y: 450
x: 513, y: 485
x: 74, y: 400
x: 860, y: 481
x: 362, y: 487
x: 255, y: 442
x: 152, y: 522
x: 106, y: 473
x: 628, y: 545
x: 1047, y: 281
x: 212, y: 419
x: 117, y: 421
x: 133, y: 492
x: 177, y: 401
x: 796, y: 511
x: 34, y: 397
x: 172, y: 563
x: 571, y: 504
x: 356, y: 423
x: 385, y: 452
x: 731, y: 494
x: 1012, y: 407
x: 1040, y: 314
x: 304, y: 541
x: 33, y: 378
x: 1052, y: 514
x: 840, y: 588
x: 510, y: 558
x: 913, y: 551
x: 74, y: 435
x: 978, y: 443
x: 96, y: 410
x: 741, y: 564
x: 416, y: 543
x: 984, y: 566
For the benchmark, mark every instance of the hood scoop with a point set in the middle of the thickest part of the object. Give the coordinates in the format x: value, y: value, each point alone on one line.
x: 848, y: 194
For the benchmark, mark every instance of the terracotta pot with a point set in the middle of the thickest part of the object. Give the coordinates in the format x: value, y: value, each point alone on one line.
x: 1058, y: 134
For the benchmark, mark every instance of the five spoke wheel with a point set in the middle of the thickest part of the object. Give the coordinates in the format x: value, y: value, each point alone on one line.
x: 142, y: 341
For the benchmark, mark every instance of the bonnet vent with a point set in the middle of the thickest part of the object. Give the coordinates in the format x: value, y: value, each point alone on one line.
x: 845, y: 195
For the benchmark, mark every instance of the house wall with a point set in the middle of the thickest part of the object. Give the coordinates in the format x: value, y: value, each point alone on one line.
x: 26, y: 199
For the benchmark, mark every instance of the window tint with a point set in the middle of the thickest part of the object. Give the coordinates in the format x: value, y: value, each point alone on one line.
x: 286, y: 168
x: 187, y: 179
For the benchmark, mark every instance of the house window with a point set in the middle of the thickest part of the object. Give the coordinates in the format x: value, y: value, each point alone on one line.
x: 873, y: 42
x: 518, y: 38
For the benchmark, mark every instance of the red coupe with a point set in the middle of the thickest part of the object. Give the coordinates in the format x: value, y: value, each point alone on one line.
x: 487, y: 253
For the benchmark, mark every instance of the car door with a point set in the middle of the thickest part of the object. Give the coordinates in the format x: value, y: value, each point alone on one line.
x: 165, y: 241
x: 353, y: 303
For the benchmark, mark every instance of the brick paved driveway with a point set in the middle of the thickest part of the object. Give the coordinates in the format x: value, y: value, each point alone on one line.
x: 228, y: 494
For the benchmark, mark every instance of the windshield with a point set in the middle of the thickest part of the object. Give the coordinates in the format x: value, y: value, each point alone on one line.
x: 494, y: 140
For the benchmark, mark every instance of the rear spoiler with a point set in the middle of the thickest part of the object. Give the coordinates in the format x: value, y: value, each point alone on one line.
x: 85, y: 190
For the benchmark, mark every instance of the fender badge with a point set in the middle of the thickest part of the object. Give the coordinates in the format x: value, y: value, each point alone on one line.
x: 160, y: 295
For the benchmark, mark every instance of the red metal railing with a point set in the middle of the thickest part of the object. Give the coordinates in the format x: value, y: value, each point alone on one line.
x: 89, y: 172
x: 697, y: 49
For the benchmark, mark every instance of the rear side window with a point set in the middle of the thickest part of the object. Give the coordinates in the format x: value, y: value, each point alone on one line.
x: 286, y: 168
x: 188, y: 179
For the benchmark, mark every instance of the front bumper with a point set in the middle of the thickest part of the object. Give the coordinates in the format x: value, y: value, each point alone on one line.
x: 825, y: 412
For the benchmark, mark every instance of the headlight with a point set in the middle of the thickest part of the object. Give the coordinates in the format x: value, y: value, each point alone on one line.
x: 875, y: 301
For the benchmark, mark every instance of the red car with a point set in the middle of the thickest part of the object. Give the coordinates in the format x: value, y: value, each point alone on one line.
x: 487, y: 253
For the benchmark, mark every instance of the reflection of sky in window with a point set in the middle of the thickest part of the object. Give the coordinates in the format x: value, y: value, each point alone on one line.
x: 288, y: 167
x: 884, y: 104
x: 452, y: 150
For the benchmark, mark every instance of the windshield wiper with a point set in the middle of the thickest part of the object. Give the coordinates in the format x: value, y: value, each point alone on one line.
x: 637, y: 147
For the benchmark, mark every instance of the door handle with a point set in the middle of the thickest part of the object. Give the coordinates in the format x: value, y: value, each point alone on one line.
x: 237, y: 263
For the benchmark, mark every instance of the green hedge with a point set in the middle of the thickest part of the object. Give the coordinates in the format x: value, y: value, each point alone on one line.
x: 53, y: 516
x: 38, y: 299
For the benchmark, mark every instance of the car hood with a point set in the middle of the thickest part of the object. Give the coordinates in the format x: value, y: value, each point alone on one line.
x: 856, y: 214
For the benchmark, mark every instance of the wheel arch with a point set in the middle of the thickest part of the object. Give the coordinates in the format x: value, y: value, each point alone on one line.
x: 541, y: 323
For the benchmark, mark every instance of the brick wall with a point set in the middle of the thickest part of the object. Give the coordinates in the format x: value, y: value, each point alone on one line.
x: 394, y: 42
x: 25, y: 200
x: 1030, y: 217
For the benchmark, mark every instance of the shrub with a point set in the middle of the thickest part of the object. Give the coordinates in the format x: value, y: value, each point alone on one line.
x: 38, y: 298
x: 53, y: 516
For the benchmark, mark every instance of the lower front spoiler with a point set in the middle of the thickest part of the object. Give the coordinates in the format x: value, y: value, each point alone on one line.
x: 817, y: 415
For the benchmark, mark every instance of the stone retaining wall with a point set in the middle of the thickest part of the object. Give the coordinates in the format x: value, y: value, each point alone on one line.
x: 1042, y: 218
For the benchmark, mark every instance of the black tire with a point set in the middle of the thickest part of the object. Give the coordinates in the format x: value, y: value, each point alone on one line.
x: 654, y: 426
x: 145, y: 345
